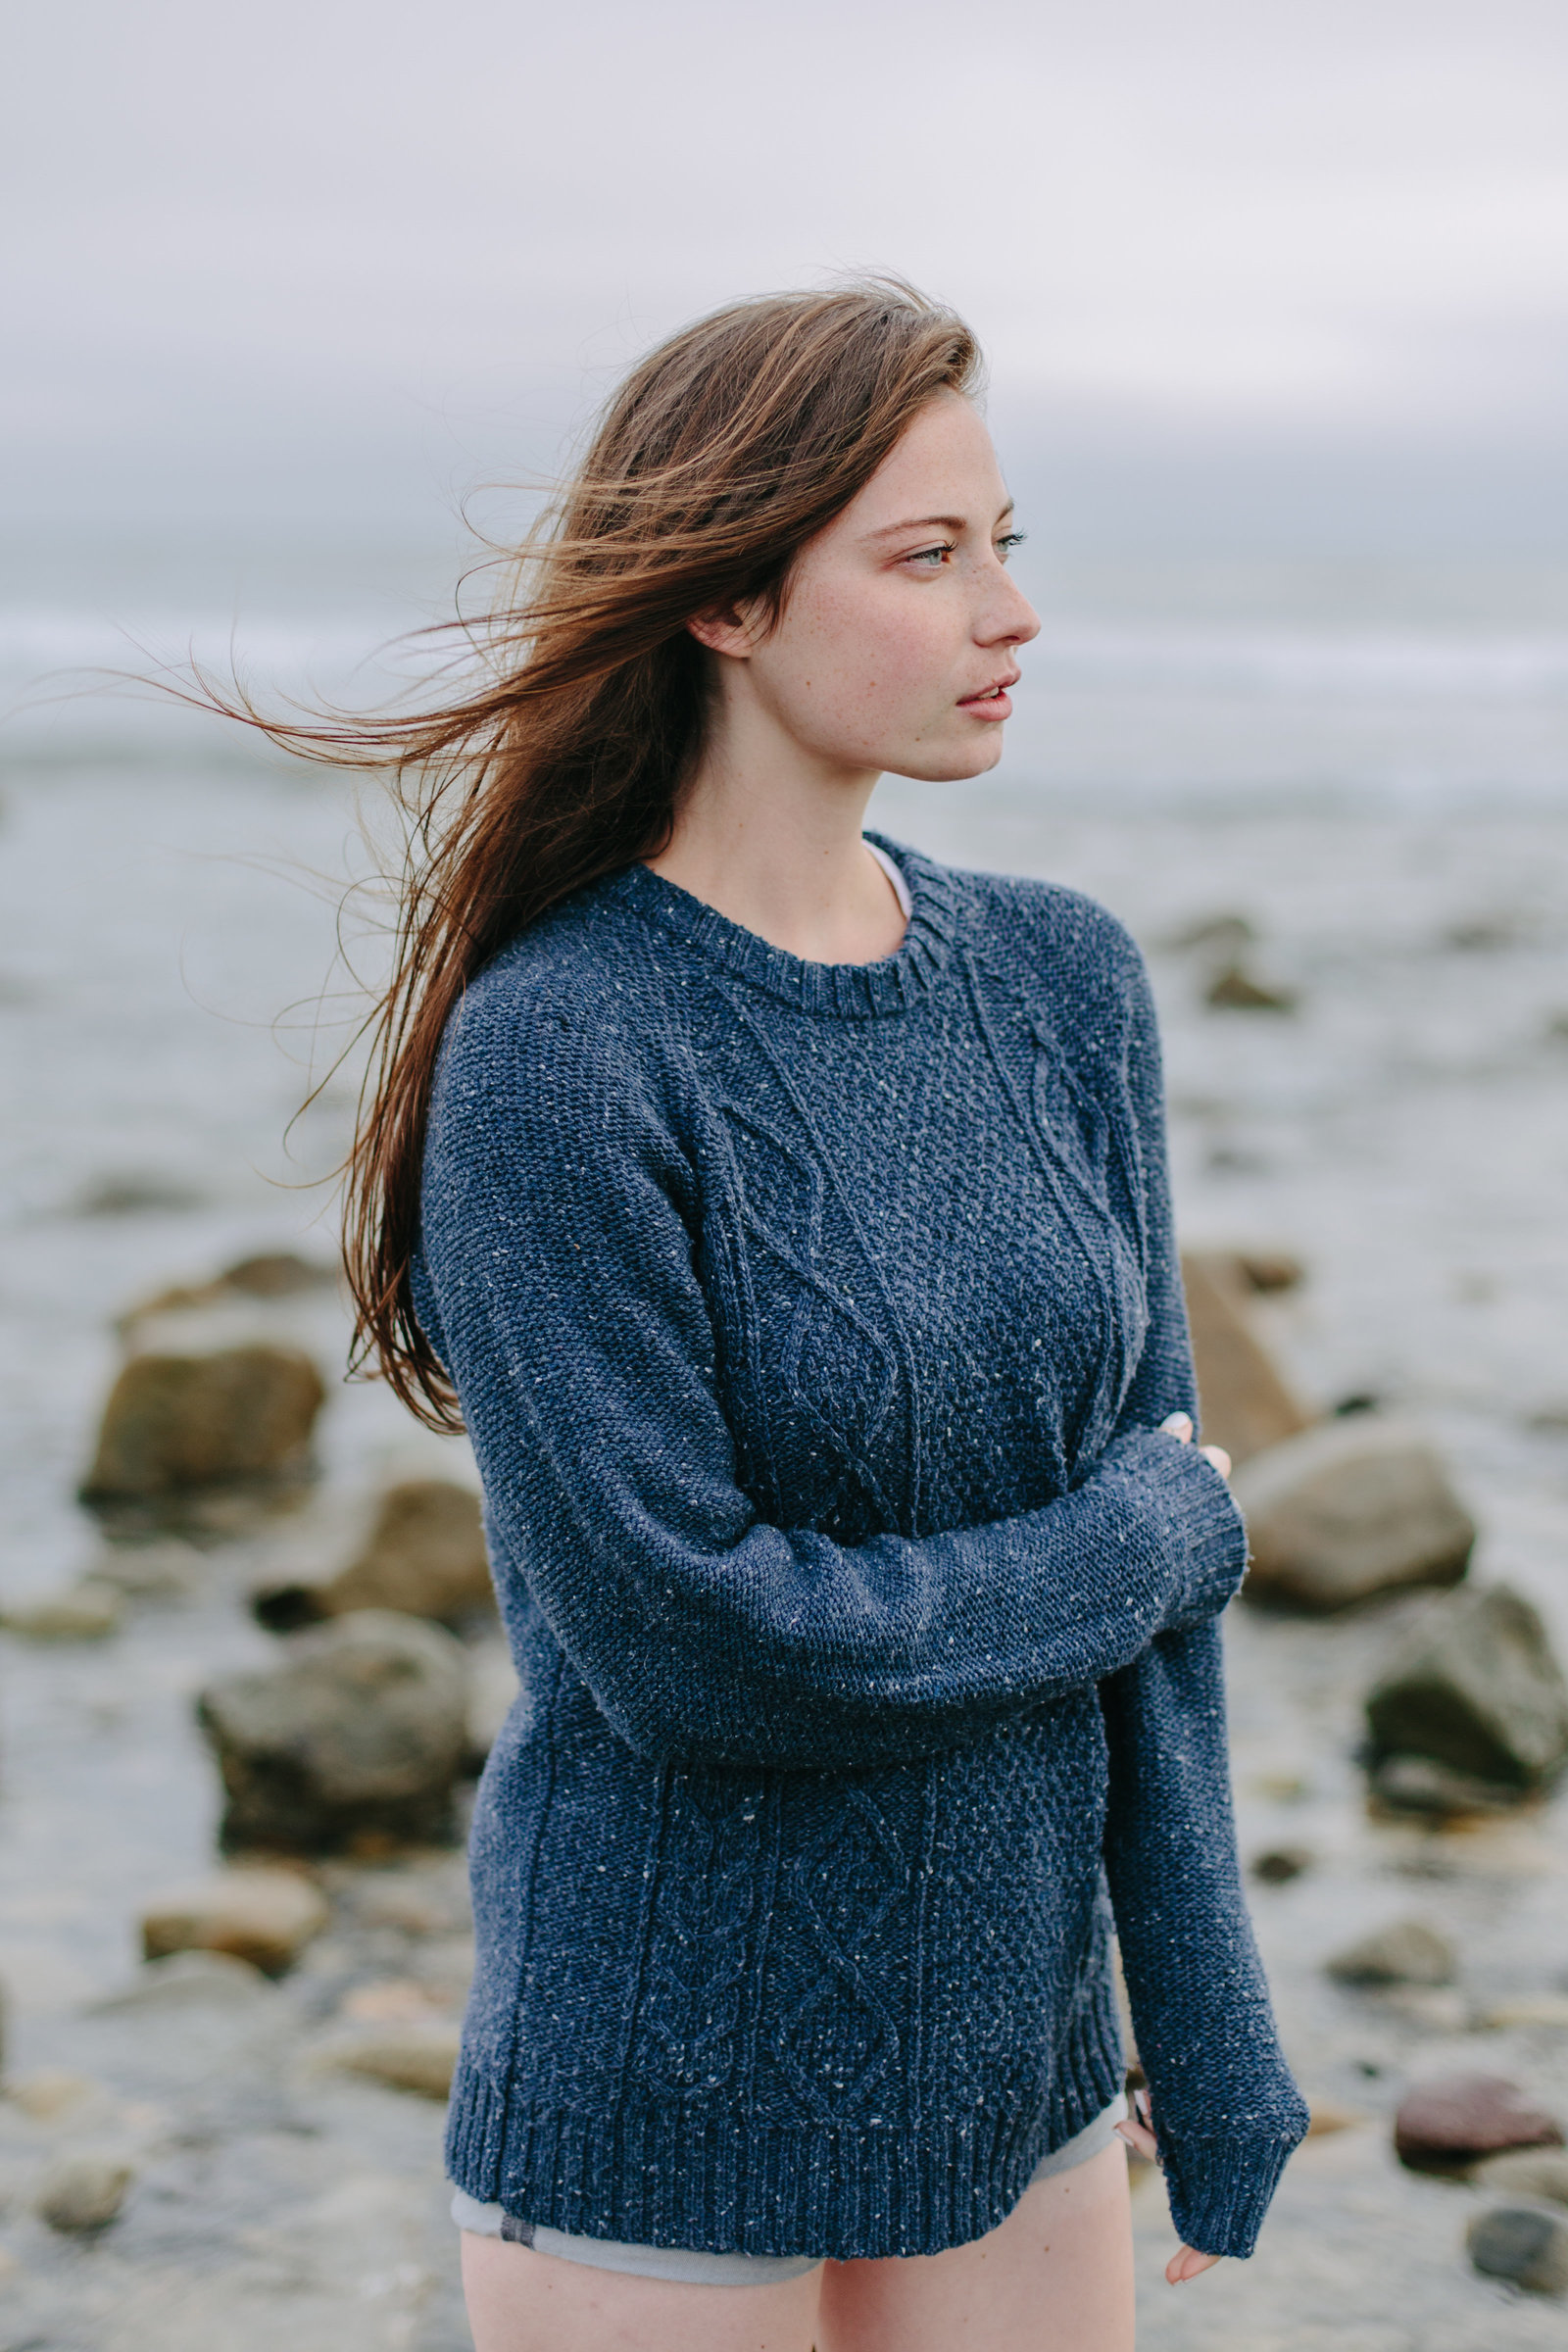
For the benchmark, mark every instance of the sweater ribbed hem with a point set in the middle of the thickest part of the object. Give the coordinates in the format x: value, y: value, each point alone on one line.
x: 655, y: 2176
x: 1219, y: 2189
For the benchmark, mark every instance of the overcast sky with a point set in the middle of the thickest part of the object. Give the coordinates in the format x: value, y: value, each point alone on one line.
x: 365, y: 240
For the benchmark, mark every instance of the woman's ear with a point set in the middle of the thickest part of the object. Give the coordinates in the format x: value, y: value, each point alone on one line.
x: 726, y: 629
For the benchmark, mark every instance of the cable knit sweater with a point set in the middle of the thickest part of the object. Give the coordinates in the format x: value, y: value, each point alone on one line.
x: 812, y: 1325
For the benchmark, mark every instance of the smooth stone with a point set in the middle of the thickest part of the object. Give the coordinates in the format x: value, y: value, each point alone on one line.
x: 1278, y: 1865
x: 1420, y: 1784
x: 1234, y: 988
x: 1351, y: 1508
x: 1475, y: 1686
x: 49, y: 2092
x: 423, y: 1554
x: 1246, y: 1404
x: 178, y: 1422
x: 352, y: 1740
x: 1525, y: 2173
x: 264, y: 1916
x: 83, y: 2191
x: 165, y: 1569
x: 1325, y: 2119
x: 88, y: 1611
x: 1520, y: 2243
x: 413, y: 2056
x: 1446, y: 2123
x: 201, y: 1978
x: 1405, y: 1952
x: 1542, y: 2009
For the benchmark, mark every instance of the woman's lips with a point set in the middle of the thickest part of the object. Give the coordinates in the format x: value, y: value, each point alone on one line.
x: 992, y: 704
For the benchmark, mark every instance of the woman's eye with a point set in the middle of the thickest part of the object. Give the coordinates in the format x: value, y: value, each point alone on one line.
x: 931, y: 557
x: 1013, y: 539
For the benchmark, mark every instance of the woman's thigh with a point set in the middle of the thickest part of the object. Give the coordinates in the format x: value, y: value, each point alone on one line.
x: 1056, y: 2276
x: 523, y: 2301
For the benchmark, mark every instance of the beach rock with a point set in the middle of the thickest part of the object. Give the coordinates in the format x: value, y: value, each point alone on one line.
x: 47, y: 2092
x: 1476, y: 1688
x: 1269, y: 1270
x: 83, y: 2191
x: 163, y: 1569
x: 1525, y: 2173
x: 180, y: 1422
x: 1418, y: 1784
x: 1447, y: 2123
x: 1405, y: 1952
x: 353, y: 1739
x: 417, y: 2055
x: 423, y: 1554
x: 199, y: 1980
x: 1351, y: 1508
x: 1234, y: 988
x: 1278, y: 1865
x: 1547, y: 2012
x: 1522, y: 2244
x: 264, y: 1916
x: 87, y: 1611
x: 1245, y: 1402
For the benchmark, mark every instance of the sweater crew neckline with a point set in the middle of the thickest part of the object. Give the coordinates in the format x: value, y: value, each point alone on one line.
x: 849, y: 990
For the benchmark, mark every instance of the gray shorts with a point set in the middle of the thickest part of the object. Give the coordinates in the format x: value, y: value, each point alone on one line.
x: 689, y: 2268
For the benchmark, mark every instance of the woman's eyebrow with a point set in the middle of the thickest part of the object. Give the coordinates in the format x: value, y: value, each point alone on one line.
x: 934, y: 522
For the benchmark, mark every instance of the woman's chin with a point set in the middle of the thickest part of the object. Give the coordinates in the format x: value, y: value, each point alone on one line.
x: 953, y: 765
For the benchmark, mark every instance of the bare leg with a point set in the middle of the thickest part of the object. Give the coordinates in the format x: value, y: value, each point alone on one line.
x: 1056, y: 2276
x: 520, y: 2301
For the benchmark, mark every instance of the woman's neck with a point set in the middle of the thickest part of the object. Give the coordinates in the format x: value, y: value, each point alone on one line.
x: 788, y: 865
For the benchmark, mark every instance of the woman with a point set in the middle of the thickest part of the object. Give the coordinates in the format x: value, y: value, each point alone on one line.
x: 784, y: 1216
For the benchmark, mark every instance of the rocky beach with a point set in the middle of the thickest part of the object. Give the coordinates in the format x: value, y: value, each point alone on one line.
x: 247, y: 1667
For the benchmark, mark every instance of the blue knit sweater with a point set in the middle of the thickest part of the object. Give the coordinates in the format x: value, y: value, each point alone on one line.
x: 813, y: 1324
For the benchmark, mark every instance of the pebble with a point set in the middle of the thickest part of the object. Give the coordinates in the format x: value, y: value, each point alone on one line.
x: 1234, y: 988
x: 1246, y: 1404
x: 1405, y: 1952
x: 49, y: 2092
x: 211, y: 1979
x: 264, y: 1916
x: 1542, y: 2009
x: 1420, y: 1784
x: 1525, y: 2173
x: 353, y: 1739
x: 1522, y: 2244
x: 1278, y: 1865
x: 87, y: 1611
x: 1446, y: 2123
x: 1475, y: 1686
x: 83, y: 2191
x: 1353, y: 1508
x: 407, y: 2055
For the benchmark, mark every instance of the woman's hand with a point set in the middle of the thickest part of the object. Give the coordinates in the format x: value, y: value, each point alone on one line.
x: 1187, y: 2262
x: 1180, y: 1426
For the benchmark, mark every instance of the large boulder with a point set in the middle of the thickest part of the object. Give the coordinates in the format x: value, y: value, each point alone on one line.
x: 1351, y: 1508
x: 1476, y: 1688
x: 172, y: 1424
x: 353, y: 1739
x: 1245, y: 1402
x: 423, y: 1554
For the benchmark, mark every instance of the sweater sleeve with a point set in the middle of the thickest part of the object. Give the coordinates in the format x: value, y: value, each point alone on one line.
x: 1227, y: 2112
x: 561, y: 1287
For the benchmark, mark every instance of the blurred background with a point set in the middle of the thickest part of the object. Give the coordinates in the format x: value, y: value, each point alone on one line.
x: 1276, y: 306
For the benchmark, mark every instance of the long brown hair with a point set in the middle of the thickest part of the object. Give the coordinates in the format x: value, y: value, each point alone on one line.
x: 720, y: 457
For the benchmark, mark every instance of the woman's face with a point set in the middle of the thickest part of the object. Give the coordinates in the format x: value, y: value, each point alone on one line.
x: 900, y: 631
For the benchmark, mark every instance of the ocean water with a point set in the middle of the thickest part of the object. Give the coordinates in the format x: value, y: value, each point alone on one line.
x: 1369, y: 767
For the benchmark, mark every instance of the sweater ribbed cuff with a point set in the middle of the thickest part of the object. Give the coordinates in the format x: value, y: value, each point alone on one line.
x: 1198, y: 1516
x: 1219, y: 2189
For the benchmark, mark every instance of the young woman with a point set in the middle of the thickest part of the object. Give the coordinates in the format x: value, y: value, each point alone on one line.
x: 784, y: 1216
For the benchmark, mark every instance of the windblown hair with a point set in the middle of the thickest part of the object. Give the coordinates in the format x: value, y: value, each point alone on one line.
x: 720, y: 457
